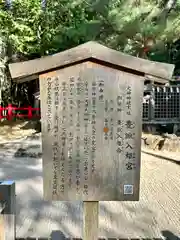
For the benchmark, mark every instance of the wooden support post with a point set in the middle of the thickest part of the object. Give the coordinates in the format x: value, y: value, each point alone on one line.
x: 91, y: 220
x: 175, y: 128
x: 7, y: 215
x: 152, y: 105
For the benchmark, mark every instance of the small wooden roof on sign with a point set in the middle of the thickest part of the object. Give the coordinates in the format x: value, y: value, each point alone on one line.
x: 92, y: 51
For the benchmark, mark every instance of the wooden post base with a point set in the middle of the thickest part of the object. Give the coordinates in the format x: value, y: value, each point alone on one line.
x: 91, y: 221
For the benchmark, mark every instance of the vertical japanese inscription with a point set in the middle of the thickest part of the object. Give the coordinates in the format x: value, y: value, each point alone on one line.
x: 49, y: 104
x: 78, y: 139
x: 86, y: 139
x: 120, y: 125
x: 128, y: 100
x: 56, y: 146
x: 119, y: 137
x: 111, y: 129
x: 111, y: 120
x: 129, y: 139
x: 93, y: 123
x: 129, y: 133
x: 63, y: 135
x: 71, y: 132
x: 101, y: 90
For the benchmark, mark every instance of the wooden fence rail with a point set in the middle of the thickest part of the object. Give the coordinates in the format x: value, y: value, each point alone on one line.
x: 10, y: 112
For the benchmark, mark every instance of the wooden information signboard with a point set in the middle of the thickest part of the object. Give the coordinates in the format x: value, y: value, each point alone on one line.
x: 91, y: 105
x: 91, y: 125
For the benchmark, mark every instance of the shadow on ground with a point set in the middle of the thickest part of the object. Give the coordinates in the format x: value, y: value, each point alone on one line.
x: 11, y: 123
x: 37, y: 218
x: 58, y: 235
x: 33, y: 124
x: 162, y: 157
x: 169, y: 235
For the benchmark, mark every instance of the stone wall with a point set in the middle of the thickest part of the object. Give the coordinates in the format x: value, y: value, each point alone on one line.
x: 166, y: 142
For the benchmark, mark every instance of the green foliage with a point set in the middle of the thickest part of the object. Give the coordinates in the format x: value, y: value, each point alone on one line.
x: 124, y: 25
x: 29, y: 30
x: 20, y: 25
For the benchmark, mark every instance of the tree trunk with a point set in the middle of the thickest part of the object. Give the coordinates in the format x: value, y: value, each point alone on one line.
x: 167, y: 9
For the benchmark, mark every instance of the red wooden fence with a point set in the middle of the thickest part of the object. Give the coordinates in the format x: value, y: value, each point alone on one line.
x: 9, y: 112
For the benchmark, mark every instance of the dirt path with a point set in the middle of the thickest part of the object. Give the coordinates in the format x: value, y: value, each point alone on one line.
x: 157, y: 211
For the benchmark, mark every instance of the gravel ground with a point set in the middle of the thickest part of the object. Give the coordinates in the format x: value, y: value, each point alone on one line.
x: 157, y: 213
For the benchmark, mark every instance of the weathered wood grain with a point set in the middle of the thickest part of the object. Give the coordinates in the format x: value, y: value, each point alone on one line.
x: 107, y: 181
x: 91, y: 220
x: 29, y: 70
